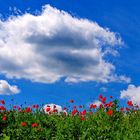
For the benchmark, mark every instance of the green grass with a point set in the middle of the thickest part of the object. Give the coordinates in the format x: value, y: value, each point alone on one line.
x: 98, y: 125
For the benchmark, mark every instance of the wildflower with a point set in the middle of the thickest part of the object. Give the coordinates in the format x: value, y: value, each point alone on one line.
x: 48, y: 109
x: 23, y: 124
x: 36, y: 106
x: 80, y: 106
x: 33, y: 106
x: 54, y: 106
x: 122, y: 109
x: 101, y: 105
x: 90, y: 113
x: 110, y: 112
x: 72, y: 101
x: 110, y: 104
x: 111, y: 97
x: 4, y: 118
x: 64, y: 108
x: 127, y: 109
x: 83, y: 112
x: 2, y: 102
x: 92, y: 106
x: 136, y: 106
x: 64, y: 113
x: 82, y: 118
x: 28, y: 109
x: 130, y: 103
x: 55, y: 111
x: 34, y: 125
x: 2, y: 108
x: 100, y: 96
x: 103, y: 100
x: 19, y: 108
x: 14, y: 107
x: 105, y: 105
x: 74, y: 107
x: 74, y: 112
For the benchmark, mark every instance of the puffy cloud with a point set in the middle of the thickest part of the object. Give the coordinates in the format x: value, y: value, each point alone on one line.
x: 7, y: 89
x: 131, y: 93
x: 97, y: 103
x: 54, y: 45
x: 52, y: 107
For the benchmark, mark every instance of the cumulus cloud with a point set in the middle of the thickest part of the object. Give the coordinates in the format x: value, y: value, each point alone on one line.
x: 53, y: 45
x: 97, y: 103
x: 7, y: 89
x: 53, y: 107
x: 131, y: 93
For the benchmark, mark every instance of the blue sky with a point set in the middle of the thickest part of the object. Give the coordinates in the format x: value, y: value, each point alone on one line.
x: 121, y: 17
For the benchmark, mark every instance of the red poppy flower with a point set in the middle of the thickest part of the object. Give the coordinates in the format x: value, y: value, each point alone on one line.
x: 91, y: 113
x: 64, y: 108
x: 34, y: 125
x: 36, y: 106
x: 100, y: 96
x: 110, y: 112
x: 127, y: 109
x: 55, y: 111
x: 74, y: 107
x: 101, y: 105
x: 23, y: 124
x: 83, y: 112
x: 33, y: 106
x: 48, y: 109
x: 111, y: 97
x: 80, y: 106
x: 14, y: 107
x: 2, y: 102
x: 93, y: 106
x: 122, y: 109
x: 130, y: 103
x: 65, y: 113
x: 110, y: 104
x: 28, y: 109
x: 54, y: 106
x: 72, y: 101
x: 105, y: 105
x: 82, y: 118
x: 74, y: 112
x: 103, y: 100
x: 2, y: 108
x: 19, y: 108
x: 136, y: 106
x: 4, y: 118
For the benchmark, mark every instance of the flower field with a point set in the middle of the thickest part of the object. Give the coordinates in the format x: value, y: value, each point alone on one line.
x: 107, y: 121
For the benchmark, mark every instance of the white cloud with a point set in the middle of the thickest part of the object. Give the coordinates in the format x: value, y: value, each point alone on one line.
x: 97, y: 103
x: 7, y: 89
x: 131, y: 93
x: 54, y: 45
x: 52, y: 107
